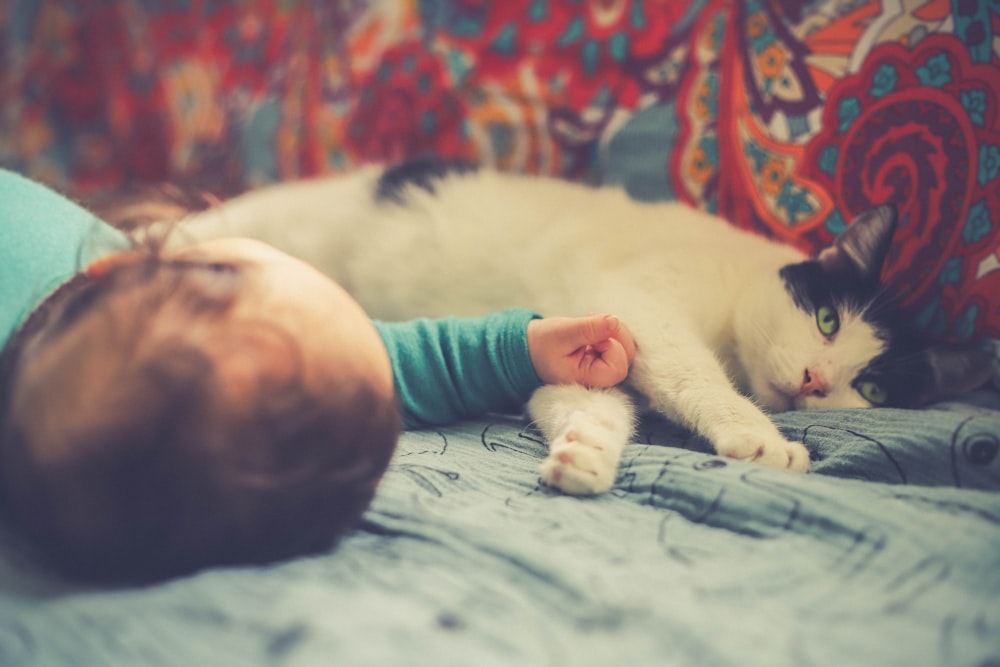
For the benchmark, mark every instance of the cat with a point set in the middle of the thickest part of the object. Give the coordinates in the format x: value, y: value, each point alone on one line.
x: 729, y: 326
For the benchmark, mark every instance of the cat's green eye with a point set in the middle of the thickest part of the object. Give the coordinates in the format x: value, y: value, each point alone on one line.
x: 872, y: 392
x: 827, y: 320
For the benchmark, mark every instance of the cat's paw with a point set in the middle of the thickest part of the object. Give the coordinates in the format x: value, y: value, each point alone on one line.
x: 766, y: 449
x: 579, y: 463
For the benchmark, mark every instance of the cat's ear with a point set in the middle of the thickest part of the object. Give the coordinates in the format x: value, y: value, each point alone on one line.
x: 955, y: 370
x: 860, y: 251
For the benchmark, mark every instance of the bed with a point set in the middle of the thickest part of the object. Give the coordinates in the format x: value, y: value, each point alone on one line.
x: 783, y: 117
x: 888, y: 554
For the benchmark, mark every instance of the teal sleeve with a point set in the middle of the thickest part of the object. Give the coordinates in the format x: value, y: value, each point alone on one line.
x: 460, y: 368
x: 45, y: 239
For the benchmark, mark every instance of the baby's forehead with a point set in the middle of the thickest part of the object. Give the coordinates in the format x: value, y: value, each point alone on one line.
x: 179, y: 285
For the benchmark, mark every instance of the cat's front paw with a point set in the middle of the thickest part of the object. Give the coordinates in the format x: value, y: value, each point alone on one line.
x: 769, y: 450
x: 579, y: 464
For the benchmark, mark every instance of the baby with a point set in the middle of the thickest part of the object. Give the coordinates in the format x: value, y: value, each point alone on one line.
x: 162, y: 411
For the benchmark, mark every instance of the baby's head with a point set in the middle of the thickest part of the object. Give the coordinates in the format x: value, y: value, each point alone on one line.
x: 224, y: 403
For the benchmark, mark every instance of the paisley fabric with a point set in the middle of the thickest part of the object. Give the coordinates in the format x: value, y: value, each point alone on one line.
x: 784, y: 117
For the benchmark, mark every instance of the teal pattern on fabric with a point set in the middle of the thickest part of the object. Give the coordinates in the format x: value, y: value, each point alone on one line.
x: 458, y: 368
x: 44, y: 240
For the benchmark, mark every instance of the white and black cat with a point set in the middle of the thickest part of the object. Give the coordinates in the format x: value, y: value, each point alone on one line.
x: 729, y: 325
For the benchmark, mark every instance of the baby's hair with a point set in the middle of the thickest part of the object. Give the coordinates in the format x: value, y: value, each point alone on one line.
x: 128, y: 456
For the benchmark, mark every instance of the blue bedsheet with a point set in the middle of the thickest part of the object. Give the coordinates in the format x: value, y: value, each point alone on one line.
x: 886, y: 555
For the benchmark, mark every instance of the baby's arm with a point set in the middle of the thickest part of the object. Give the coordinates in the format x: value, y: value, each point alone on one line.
x: 460, y: 368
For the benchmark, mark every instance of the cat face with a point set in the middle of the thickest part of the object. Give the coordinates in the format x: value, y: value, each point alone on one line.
x: 823, y: 333
x: 804, y: 347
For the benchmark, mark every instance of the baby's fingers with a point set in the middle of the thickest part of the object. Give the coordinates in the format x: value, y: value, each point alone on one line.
x: 605, y: 364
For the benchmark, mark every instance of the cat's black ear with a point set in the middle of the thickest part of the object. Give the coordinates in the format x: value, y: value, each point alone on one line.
x: 955, y: 370
x: 860, y: 251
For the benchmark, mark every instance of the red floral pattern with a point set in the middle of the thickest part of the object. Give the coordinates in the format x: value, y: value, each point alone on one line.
x: 780, y: 117
x: 921, y: 136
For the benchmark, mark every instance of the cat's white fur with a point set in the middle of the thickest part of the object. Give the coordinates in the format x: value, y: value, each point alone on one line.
x: 711, y: 317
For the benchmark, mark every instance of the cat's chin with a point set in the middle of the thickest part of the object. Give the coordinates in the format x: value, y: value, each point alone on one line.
x: 772, y: 399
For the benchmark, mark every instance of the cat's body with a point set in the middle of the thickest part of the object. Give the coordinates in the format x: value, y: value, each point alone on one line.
x: 718, y: 314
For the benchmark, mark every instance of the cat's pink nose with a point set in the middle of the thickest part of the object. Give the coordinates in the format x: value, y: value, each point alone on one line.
x: 813, y: 384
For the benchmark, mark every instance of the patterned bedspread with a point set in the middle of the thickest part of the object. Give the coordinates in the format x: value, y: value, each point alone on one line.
x: 889, y: 554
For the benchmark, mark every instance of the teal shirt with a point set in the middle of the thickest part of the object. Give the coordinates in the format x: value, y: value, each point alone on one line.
x: 460, y: 367
x: 45, y: 239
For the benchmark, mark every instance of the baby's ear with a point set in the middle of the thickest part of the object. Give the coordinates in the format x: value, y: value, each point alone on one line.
x: 861, y: 250
x: 956, y: 370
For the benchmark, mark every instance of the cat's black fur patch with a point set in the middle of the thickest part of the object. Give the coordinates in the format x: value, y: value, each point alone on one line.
x: 419, y: 172
x: 902, y: 371
x: 812, y: 286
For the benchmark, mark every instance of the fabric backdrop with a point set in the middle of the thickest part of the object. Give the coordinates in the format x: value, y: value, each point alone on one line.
x: 783, y: 116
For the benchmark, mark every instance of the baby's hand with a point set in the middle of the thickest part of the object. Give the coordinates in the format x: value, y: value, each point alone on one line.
x: 594, y: 351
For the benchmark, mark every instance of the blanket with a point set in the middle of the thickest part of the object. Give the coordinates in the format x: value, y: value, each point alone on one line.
x: 887, y: 554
